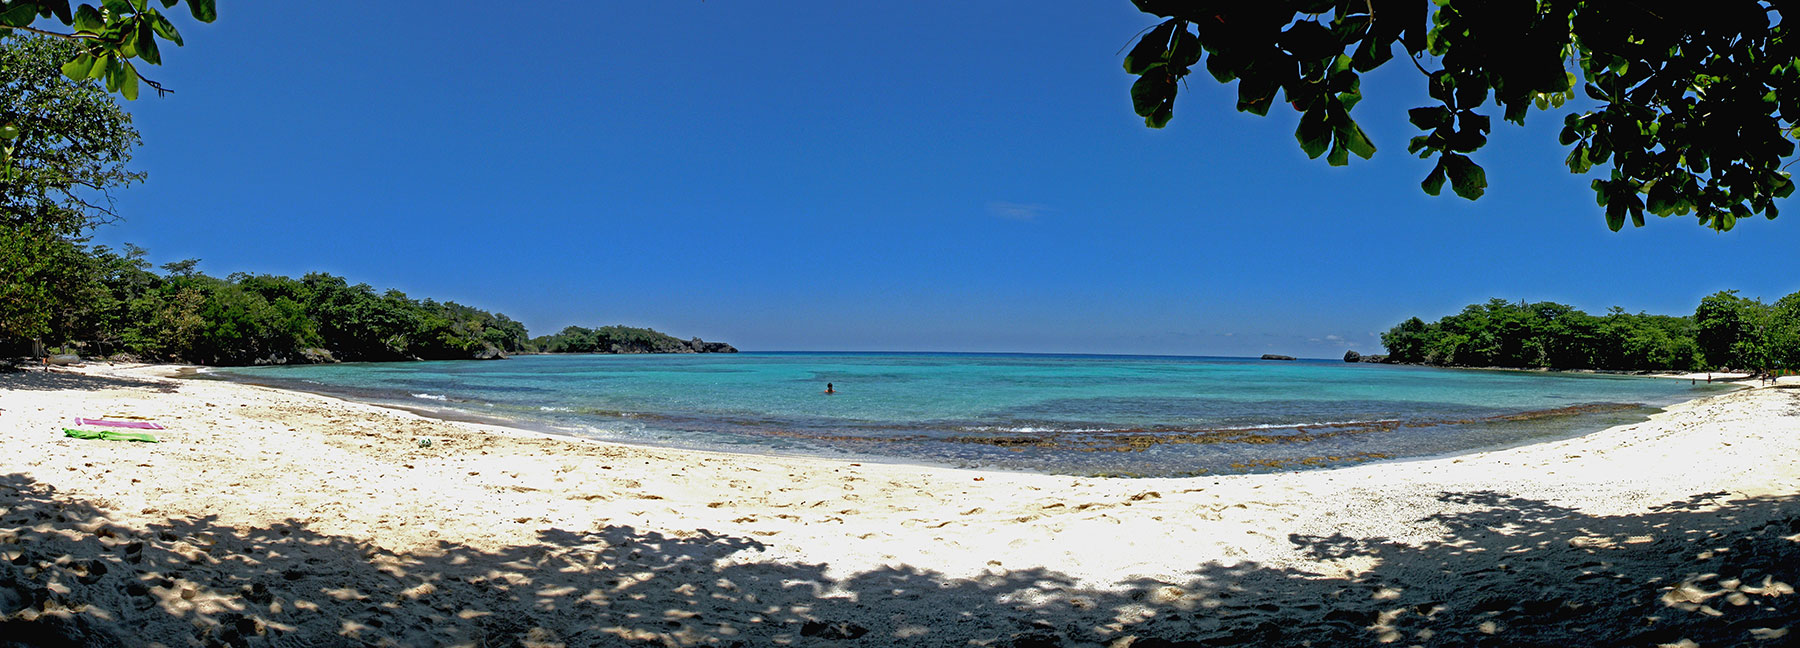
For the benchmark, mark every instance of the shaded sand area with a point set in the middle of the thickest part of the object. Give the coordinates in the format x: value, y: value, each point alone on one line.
x: 278, y: 518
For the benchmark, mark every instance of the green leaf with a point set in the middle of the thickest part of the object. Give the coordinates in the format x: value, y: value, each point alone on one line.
x: 1467, y: 179
x: 1147, y: 92
x: 128, y: 39
x: 101, y: 66
x: 1161, y: 117
x: 1615, y: 216
x: 115, y: 73
x: 1428, y: 117
x: 1515, y: 112
x: 79, y: 68
x: 1339, y: 156
x: 1185, y: 51
x: 9, y: 132
x: 1662, y: 200
x: 19, y: 15
x: 1420, y: 145
x: 1434, y: 182
x: 88, y: 19
x: 146, y: 43
x: 58, y: 8
x: 1153, y: 98
x: 1578, y: 161
x: 165, y: 29
x: 118, y: 8
x: 1723, y: 221
x: 128, y: 82
x: 203, y: 10
x: 1255, y: 95
x: 1314, y: 135
x: 1151, y: 49
x: 1372, y: 54
x: 1351, y: 135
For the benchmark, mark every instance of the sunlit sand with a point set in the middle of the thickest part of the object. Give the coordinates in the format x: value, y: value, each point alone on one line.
x: 290, y: 518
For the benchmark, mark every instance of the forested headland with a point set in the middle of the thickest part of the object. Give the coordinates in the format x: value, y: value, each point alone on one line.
x: 1726, y: 331
x: 107, y: 303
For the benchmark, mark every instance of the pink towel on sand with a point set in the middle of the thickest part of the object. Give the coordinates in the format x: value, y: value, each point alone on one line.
x: 141, y: 425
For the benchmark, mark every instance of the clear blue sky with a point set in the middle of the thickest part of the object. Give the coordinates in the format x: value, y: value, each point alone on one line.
x: 853, y: 176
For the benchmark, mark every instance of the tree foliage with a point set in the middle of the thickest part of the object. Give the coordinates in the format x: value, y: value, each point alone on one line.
x: 1692, y: 103
x: 69, y: 145
x: 105, y: 44
x: 1726, y: 331
x: 621, y: 339
x: 108, y: 302
x: 68, y: 149
x: 184, y: 315
x: 112, y: 36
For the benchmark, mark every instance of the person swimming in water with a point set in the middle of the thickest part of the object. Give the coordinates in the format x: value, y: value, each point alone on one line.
x: 829, y: 390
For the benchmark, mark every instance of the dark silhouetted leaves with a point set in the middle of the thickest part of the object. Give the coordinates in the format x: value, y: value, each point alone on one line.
x: 1695, y: 107
x: 1466, y: 177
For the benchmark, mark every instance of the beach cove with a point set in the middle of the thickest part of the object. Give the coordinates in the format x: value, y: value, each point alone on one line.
x: 271, y: 517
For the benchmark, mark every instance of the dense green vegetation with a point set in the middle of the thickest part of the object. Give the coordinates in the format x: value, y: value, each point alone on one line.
x: 120, y: 305
x: 68, y: 149
x: 621, y: 339
x: 1686, y: 108
x: 1726, y: 331
x: 93, y: 43
x: 115, y: 303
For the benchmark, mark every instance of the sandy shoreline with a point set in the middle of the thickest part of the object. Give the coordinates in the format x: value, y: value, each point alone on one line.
x: 270, y: 517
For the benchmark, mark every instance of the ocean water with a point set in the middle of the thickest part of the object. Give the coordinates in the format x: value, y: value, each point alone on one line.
x: 1073, y: 414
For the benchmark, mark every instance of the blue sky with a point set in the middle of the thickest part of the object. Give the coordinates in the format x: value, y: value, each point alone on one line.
x: 854, y: 176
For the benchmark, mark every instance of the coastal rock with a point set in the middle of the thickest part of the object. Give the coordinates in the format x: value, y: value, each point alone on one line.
x: 1352, y: 356
x: 702, y: 346
x: 489, y: 353
x: 1377, y: 358
x: 1276, y: 356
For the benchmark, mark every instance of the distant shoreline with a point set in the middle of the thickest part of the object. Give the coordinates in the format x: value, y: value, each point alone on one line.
x: 1140, y: 446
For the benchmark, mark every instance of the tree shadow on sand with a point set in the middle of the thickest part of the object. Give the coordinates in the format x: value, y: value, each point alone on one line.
x: 54, y: 380
x: 1508, y: 572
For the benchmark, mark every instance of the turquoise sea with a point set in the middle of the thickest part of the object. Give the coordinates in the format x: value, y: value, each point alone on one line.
x: 1076, y: 414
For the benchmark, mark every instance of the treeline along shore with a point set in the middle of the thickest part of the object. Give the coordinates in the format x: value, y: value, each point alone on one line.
x: 119, y: 307
x: 1726, y: 332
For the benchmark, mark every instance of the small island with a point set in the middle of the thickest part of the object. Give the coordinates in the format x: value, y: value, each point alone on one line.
x: 621, y: 339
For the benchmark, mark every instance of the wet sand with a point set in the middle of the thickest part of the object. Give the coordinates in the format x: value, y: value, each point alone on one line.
x: 268, y: 517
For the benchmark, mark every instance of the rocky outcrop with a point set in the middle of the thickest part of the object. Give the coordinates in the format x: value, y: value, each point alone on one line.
x: 702, y: 346
x: 1276, y: 356
x: 1352, y: 356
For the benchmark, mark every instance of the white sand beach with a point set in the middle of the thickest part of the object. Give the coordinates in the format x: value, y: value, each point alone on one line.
x: 268, y: 517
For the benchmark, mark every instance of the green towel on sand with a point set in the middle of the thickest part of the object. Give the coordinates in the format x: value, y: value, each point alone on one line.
x: 110, y: 435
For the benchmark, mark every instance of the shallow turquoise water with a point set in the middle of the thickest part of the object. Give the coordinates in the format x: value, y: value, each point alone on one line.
x: 1056, y: 413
